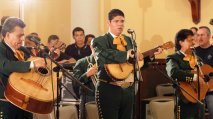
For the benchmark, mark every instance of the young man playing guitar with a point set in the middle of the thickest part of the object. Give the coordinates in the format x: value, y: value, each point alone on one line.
x: 180, y: 69
x: 114, y: 98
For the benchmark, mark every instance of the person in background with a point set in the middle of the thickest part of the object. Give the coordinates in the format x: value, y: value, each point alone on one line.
x: 31, y: 46
x: 35, y: 35
x: 195, y: 40
x: 2, y: 22
x: 205, y: 53
x: 88, y: 39
x: 78, y: 49
x: 56, y: 46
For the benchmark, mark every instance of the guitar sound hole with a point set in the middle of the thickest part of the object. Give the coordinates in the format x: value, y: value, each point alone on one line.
x: 42, y: 70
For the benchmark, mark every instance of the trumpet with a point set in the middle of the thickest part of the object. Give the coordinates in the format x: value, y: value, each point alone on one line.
x: 94, y: 77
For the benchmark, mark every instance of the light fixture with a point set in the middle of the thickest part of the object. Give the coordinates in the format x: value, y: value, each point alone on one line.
x: 21, y: 9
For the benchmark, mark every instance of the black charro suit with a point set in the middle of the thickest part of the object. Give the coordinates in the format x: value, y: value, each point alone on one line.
x: 8, y: 64
x: 113, y: 101
x: 180, y: 70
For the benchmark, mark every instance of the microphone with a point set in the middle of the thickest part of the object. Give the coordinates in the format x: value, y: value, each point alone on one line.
x: 35, y: 40
x: 130, y: 31
x: 211, y: 21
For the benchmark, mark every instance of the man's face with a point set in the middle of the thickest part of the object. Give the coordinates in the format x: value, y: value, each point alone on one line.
x: 89, y: 40
x: 52, y: 43
x: 116, y: 25
x: 79, y: 37
x: 16, y: 37
x: 187, y: 43
x: 203, y: 37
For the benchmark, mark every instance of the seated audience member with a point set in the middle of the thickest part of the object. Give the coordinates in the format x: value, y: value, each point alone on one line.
x: 78, y: 49
x: 89, y: 38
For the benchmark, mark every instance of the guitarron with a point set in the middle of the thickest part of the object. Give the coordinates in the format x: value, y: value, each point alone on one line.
x: 34, y: 91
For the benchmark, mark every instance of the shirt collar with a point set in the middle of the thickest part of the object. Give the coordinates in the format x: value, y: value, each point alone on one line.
x: 10, y: 47
x: 182, y: 52
x: 112, y: 34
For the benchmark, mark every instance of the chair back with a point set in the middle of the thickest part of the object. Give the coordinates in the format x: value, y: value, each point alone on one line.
x: 91, y: 110
x: 162, y: 108
x: 164, y: 90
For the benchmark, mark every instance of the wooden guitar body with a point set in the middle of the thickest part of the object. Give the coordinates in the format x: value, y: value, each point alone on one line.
x: 208, y: 70
x: 33, y: 91
x: 193, y: 90
x: 120, y: 72
x: 193, y: 87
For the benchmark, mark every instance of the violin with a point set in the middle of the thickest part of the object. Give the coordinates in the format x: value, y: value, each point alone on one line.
x: 57, y: 48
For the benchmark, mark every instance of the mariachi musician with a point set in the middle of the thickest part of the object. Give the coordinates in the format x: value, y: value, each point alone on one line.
x: 56, y: 48
x: 179, y: 66
x: 32, y: 47
x: 13, y: 60
x: 85, y: 71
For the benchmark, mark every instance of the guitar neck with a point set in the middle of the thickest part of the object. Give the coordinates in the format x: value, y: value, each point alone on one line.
x: 150, y: 53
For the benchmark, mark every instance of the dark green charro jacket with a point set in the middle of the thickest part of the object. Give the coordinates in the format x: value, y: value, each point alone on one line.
x: 80, y: 70
x: 107, y: 53
x: 8, y: 64
x: 177, y: 68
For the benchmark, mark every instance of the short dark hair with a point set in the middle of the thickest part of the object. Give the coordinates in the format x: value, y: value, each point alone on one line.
x: 207, y: 28
x: 34, y: 33
x: 115, y: 12
x: 87, y: 36
x: 76, y: 29
x: 52, y: 37
x: 195, y: 28
x: 29, y: 37
x: 181, y: 36
x: 10, y: 24
x: 3, y: 19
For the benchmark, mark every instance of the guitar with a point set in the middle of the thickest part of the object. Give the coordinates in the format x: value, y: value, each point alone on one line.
x: 192, y: 88
x: 33, y: 91
x: 120, y: 72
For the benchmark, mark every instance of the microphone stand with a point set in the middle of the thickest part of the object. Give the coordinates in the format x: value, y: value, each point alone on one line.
x: 176, y: 86
x: 136, y: 80
x: 199, y: 71
x: 66, y: 73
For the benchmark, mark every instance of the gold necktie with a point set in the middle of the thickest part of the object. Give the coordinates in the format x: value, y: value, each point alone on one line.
x: 120, y: 42
x: 19, y: 55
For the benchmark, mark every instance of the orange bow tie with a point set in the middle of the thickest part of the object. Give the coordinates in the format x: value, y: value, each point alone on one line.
x: 120, y: 42
x: 19, y: 55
